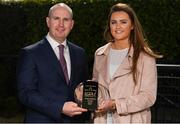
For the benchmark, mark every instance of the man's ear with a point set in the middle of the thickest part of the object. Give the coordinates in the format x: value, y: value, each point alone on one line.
x: 72, y: 25
x: 47, y: 21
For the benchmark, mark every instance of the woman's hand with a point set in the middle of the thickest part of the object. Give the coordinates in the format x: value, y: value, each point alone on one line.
x: 106, y: 105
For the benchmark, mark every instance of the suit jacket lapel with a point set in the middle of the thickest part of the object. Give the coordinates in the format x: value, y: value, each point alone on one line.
x: 72, y: 57
x: 51, y: 57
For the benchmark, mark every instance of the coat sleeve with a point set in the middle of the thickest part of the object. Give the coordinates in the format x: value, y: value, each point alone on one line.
x: 28, y: 88
x: 146, y: 89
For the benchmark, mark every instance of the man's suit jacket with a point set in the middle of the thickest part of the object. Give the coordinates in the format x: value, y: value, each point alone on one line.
x: 41, y: 85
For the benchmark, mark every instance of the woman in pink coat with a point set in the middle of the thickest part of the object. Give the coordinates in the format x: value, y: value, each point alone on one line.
x: 126, y: 67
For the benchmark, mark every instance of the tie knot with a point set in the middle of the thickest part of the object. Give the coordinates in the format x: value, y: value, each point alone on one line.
x: 61, y: 48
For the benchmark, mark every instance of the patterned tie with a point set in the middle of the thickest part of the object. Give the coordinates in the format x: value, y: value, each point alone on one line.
x: 63, y: 62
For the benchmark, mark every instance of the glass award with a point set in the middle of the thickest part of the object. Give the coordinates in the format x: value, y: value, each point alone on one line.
x: 90, y: 94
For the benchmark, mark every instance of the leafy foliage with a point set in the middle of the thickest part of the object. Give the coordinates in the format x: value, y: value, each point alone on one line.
x: 23, y: 23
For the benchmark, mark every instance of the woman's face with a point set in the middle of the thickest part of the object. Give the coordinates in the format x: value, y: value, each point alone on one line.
x: 120, y: 26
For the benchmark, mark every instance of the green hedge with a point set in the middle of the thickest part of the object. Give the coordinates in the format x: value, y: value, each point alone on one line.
x: 23, y: 23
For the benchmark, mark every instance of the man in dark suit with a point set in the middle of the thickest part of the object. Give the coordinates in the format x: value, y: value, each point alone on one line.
x: 45, y: 85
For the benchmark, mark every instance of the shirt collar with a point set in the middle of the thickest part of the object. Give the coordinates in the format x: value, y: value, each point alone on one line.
x: 54, y: 43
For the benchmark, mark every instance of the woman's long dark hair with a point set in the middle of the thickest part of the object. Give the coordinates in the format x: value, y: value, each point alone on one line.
x: 137, y: 36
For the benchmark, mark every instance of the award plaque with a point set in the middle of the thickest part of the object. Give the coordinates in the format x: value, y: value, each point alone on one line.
x: 78, y: 94
x: 86, y: 95
x: 90, y: 94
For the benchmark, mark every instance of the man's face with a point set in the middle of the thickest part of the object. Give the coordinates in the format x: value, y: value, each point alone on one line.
x: 59, y: 23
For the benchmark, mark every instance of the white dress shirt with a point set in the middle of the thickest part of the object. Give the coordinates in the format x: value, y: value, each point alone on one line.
x: 54, y: 44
